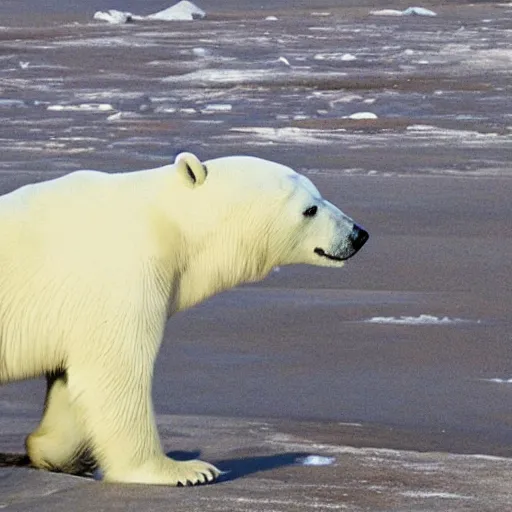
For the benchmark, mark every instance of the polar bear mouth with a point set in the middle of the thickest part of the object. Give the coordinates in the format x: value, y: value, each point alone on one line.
x: 324, y: 254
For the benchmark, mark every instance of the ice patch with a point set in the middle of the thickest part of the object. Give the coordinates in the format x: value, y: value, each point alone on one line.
x: 497, y: 380
x: 8, y: 103
x: 200, y: 52
x: 316, y: 460
x: 83, y: 107
x: 182, y: 11
x: 433, y: 494
x: 418, y: 11
x: 113, y: 16
x: 415, y: 320
x: 362, y: 115
x: 410, y: 11
x: 343, y: 57
x: 217, y: 107
x: 387, y: 12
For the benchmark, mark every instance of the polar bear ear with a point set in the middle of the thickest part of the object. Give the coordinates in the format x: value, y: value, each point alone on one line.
x: 192, y: 170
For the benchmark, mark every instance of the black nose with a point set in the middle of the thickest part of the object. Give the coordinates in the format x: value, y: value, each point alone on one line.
x: 358, y: 237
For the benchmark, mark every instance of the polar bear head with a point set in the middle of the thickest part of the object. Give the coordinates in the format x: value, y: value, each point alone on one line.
x: 244, y: 215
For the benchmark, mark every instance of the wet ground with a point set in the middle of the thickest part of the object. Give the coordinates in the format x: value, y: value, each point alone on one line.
x: 412, y: 338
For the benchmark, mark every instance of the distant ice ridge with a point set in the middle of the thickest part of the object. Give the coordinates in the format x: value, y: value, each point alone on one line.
x: 415, y: 320
x: 182, y: 11
x: 410, y: 11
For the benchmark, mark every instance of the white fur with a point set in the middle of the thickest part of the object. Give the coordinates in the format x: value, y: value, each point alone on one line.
x: 92, y: 266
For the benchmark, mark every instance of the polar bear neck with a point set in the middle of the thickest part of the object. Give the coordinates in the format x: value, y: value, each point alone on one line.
x: 204, y: 276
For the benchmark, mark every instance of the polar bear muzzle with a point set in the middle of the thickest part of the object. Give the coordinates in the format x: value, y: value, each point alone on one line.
x: 356, y: 240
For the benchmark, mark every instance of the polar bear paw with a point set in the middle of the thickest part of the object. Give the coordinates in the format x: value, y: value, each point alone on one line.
x: 166, y: 471
x: 194, y: 472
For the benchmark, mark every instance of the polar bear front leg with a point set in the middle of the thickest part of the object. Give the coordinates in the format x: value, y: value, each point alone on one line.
x: 114, y: 398
x: 59, y: 441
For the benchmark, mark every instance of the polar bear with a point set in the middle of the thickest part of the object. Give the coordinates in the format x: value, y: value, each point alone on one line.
x: 92, y: 266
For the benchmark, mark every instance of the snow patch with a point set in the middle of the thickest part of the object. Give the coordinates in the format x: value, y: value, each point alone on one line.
x: 415, y: 320
x: 113, y: 16
x: 362, y: 115
x: 343, y: 57
x: 497, y: 380
x: 182, y: 11
x: 217, y: 107
x: 315, y: 460
x: 433, y: 494
x: 82, y: 107
x: 410, y: 11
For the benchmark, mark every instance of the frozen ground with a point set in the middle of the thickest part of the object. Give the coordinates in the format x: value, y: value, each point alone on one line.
x: 83, y: 93
x: 429, y: 176
x: 265, y: 460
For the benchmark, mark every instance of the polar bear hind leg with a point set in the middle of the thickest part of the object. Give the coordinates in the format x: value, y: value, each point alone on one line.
x: 59, y: 442
x: 112, y: 398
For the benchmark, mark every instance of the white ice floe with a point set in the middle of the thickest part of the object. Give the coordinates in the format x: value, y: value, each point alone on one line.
x: 8, y: 103
x: 414, y: 320
x: 433, y: 494
x: 362, y: 115
x: 200, y: 52
x: 82, y: 107
x: 316, y: 460
x: 113, y: 16
x: 343, y: 57
x: 497, y: 380
x: 115, y: 117
x: 410, y: 11
x: 217, y: 107
x: 418, y: 11
x: 182, y: 11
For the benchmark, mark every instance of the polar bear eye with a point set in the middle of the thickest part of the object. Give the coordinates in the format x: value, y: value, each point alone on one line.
x: 310, y: 212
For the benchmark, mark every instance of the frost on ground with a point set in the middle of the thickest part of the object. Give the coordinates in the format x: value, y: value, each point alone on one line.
x: 182, y: 11
x: 415, y: 320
